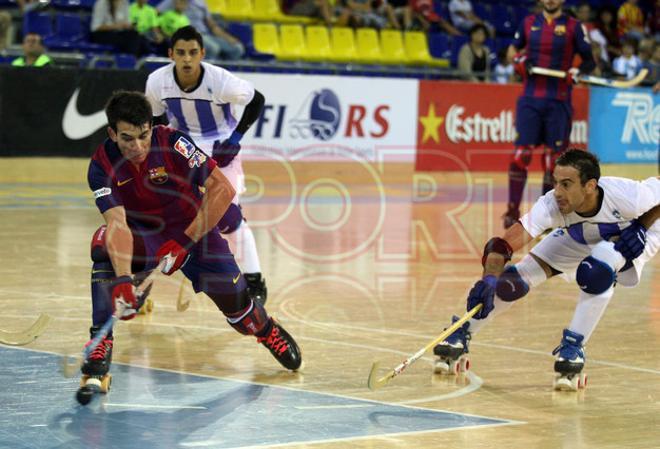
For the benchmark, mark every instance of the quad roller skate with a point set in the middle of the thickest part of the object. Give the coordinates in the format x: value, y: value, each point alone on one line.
x: 282, y: 346
x: 95, y: 378
x: 569, y: 363
x: 147, y: 307
x: 452, y: 352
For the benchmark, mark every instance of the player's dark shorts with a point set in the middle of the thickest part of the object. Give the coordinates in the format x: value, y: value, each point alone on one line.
x: 211, y: 267
x: 543, y: 121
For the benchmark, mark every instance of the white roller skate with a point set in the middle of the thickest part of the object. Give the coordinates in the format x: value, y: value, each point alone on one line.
x: 452, y: 352
x: 569, y: 363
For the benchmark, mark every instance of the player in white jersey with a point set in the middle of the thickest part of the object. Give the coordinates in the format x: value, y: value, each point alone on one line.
x: 605, y: 230
x: 198, y: 99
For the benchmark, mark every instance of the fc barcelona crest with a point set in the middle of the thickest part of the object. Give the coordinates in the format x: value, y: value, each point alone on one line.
x: 158, y: 175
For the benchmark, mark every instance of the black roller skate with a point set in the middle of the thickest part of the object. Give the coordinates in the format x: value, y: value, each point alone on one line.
x: 511, y: 216
x: 283, y: 347
x: 569, y: 363
x: 95, y: 378
x: 452, y: 352
x: 256, y: 287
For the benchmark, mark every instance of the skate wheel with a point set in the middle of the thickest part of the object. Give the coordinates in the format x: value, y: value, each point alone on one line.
x: 464, y: 366
x: 441, y: 367
x: 582, y: 380
x: 566, y: 383
x: 147, y: 307
x: 105, y: 383
x: 84, y: 395
x: 454, y: 367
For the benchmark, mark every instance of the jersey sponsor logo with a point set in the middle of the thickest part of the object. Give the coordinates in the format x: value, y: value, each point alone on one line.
x: 617, y: 214
x: 184, y: 147
x: 77, y: 126
x: 125, y: 181
x: 197, y: 159
x: 641, y: 117
x: 532, y: 29
x: 560, y: 30
x: 318, y: 117
x: 158, y: 175
x: 104, y: 191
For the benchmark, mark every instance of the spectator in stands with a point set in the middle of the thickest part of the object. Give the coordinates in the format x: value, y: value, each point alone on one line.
x: 474, y: 56
x: 464, y: 18
x: 218, y: 43
x: 111, y: 25
x: 33, y: 53
x: 603, y: 67
x: 645, y: 52
x: 423, y: 13
x: 628, y: 64
x: 323, y: 9
x: 5, y: 30
x: 606, y: 24
x: 630, y: 19
x: 145, y: 20
x: 172, y: 20
x: 372, y: 13
x: 583, y: 14
x: 654, y: 21
x: 25, y: 6
x: 504, y: 72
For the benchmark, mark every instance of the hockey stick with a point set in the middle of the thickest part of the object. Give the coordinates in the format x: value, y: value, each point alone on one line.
x: 597, y: 80
x: 181, y: 303
x: 72, y: 363
x: 375, y: 383
x: 27, y: 336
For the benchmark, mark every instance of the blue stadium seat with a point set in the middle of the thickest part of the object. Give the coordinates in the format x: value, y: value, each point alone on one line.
x: 456, y: 43
x: 125, y: 61
x: 482, y: 11
x: 503, y: 20
x: 38, y: 22
x: 439, y: 45
x: 65, y: 4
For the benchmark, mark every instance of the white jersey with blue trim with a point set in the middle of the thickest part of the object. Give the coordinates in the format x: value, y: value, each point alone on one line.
x: 205, y: 113
x: 622, y: 201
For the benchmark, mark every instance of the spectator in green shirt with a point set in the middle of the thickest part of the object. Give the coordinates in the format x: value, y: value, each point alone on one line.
x: 33, y: 53
x: 173, y: 19
x: 145, y: 20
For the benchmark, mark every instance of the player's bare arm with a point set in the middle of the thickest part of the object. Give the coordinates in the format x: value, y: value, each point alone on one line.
x: 649, y: 218
x: 119, y: 240
x: 218, y: 196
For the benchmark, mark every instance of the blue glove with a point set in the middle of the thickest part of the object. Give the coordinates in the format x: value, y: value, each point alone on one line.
x: 632, y: 241
x: 225, y: 152
x: 483, y: 292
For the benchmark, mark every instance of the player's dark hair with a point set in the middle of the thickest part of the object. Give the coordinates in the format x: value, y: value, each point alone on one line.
x: 187, y: 33
x: 476, y: 28
x: 584, y: 162
x: 129, y: 107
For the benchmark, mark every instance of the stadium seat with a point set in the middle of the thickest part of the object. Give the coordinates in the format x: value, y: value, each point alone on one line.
x: 265, y: 38
x: 439, y: 45
x: 418, y: 51
x: 503, y: 20
x: 269, y: 10
x: 292, y: 43
x: 343, y: 45
x: 456, y: 43
x: 238, y: 10
x: 217, y: 6
x: 318, y: 44
x: 368, y: 46
x: 391, y: 46
x: 125, y: 61
x: 38, y: 22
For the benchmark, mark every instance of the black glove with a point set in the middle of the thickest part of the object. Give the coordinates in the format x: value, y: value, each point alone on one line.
x: 483, y: 293
x: 632, y: 241
x: 225, y: 152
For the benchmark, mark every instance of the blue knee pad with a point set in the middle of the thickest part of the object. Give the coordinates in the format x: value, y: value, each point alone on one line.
x: 594, y: 276
x: 510, y: 285
x: 231, y: 220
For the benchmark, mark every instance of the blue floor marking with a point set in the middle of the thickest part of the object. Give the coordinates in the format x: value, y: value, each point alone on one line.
x: 149, y: 408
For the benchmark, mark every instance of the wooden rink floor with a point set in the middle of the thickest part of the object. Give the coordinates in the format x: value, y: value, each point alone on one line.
x: 363, y: 262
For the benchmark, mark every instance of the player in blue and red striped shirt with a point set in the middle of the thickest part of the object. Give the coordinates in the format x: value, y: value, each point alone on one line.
x: 146, y: 181
x: 544, y: 112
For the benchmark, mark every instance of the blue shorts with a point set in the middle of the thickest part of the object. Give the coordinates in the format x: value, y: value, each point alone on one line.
x: 211, y: 266
x: 543, y: 121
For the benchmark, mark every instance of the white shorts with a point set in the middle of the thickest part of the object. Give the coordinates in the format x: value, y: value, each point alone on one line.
x: 233, y: 171
x: 564, y: 254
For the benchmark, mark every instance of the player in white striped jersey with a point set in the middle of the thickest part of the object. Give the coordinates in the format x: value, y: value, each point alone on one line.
x: 199, y: 99
x: 605, y: 230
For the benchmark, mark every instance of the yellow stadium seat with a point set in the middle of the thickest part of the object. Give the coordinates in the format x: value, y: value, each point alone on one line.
x: 343, y: 45
x: 391, y: 46
x: 318, y: 44
x: 418, y: 50
x: 368, y: 46
x: 238, y: 10
x: 217, y: 6
x: 269, y: 11
x: 292, y: 42
x: 265, y: 38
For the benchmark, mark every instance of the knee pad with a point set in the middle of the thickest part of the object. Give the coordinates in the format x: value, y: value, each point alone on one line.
x: 231, y: 220
x: 594, y: 276
x: 510, y: 285
x: 251, y: 321
x: 98, y: 251
x: 521, y: 158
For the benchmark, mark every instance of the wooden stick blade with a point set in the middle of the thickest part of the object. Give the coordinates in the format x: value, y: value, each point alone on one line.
x: 374, y: 383
x: 22, y: 338
x: 182, y: 303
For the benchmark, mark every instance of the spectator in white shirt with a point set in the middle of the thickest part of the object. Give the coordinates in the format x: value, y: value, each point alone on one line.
x: 628, y: 64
